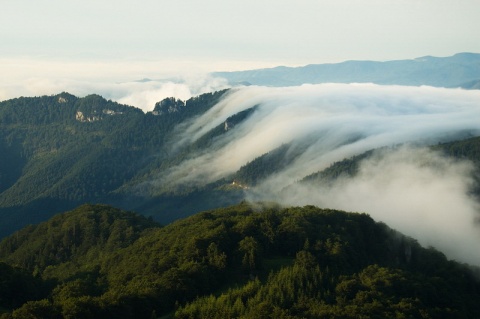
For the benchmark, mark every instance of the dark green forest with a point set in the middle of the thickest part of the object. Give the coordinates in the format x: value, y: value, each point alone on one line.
x: 243, y: 261
x: 57, y: 152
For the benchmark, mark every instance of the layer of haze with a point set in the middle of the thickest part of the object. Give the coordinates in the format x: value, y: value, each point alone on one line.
x: 414, y: 191
x: 292, y: 32
x: 345, y: 119
x: 418, y: 192
x: 135, y: 85
x: 88, y: 46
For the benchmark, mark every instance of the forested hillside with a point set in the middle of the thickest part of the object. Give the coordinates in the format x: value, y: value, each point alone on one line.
x: 245, y: 261
x: 57, y: 152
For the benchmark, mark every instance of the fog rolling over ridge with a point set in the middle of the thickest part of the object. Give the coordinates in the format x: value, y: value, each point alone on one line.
x: 338, y: 120
x: 140, y: 93
x: 418, y: 192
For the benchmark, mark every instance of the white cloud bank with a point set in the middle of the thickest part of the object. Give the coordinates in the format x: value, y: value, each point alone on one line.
x: 417, y: 192
x: 141, y: 94
x: 345, y: 119
x: 115, y: 80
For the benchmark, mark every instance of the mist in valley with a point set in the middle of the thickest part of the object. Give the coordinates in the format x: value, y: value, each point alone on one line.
x: 411, y: 188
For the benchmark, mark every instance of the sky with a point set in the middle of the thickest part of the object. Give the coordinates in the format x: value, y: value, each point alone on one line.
x: 83, y: 45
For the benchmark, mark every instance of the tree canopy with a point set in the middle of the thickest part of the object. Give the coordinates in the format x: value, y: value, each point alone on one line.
x: 243, y: 261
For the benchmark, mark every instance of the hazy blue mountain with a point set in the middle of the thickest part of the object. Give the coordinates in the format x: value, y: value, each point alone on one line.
x: 451, y: 71
x: 471, y: 85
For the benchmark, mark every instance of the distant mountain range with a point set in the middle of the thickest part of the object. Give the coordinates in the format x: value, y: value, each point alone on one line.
x: 459, y: 70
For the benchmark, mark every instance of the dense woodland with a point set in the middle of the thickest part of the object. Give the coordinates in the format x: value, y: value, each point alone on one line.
x: 244, y: 261
x: 52, y: 159
x: 60, y: 151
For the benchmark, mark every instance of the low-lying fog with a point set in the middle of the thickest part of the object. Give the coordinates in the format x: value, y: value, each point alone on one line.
x: 417, y: 191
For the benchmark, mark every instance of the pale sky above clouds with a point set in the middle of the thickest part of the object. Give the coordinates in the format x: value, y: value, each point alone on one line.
x: 289, y: 32
x: 125, y: 40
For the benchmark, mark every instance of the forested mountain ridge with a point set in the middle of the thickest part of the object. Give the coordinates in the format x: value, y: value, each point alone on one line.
x: 468, y: 149
x: 243, y: 261
x: 57, y: 152
x: 267, y: 164
x: 77, y: 237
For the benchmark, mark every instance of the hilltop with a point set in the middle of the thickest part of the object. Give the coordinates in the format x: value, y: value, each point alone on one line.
x: 243, y: 261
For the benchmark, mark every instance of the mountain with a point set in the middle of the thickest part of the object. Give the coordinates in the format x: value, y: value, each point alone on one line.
x: 80, y: 236
x: 454, y: 71
x: 471, y: 85
x: 214, y: 150
x: 57, y: 152
x: 247, y: 260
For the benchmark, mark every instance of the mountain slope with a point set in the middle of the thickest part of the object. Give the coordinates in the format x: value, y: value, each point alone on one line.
x: 57, y: 152
x: 468, y: 149
x: 213, y: 150
x: 442, y: 72
x: 292, y: 261
x: 77, y: 237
